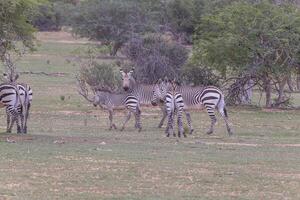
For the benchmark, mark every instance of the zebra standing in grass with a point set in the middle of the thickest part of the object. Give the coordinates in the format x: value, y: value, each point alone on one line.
x: 174, y: 105
x: 143, y: 92
x: 110, y: 101
x: 23, y: 107
x: 209, y: 96
x: 10, y: 98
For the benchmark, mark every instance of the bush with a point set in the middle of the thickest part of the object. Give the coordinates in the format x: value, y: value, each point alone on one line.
x: 155, y: 57
x: 51, y: 16
x: 100, y: 75
x: 199, y: 75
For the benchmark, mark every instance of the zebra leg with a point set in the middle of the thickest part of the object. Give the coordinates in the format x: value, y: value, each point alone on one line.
x: 164, y: 111
x: 126, y: 120
x: 8, y: 128
x: 180, y: 125
x: 19, y: 128
x: 189, y: 121
x: 224, y: 115
x: 213, y: 118
x: 137, y: 115
x: 169, y: 125
x: 111, y: 124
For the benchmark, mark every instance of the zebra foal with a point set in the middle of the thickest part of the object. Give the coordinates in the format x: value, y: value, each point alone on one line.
x: 111, y: 101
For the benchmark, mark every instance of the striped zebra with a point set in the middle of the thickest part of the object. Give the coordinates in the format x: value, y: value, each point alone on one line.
x: 111, y: 101
x: 159, y: 95
x: 26, y: 95
x: 174, y: 105
x: 210, y: 97
x: 143, y: 92
x: 10, y: 98
x: 23, y: 106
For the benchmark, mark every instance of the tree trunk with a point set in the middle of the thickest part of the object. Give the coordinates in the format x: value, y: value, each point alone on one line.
x: 115, y: 48
x: 268, y: 91
x: 290, y: 83
x: 247, y: 96
x: 298, y: 79
x: 281, y: 90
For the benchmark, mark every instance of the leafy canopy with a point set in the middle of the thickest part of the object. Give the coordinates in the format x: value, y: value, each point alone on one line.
x: 14, y: 24
x: 262, y: 38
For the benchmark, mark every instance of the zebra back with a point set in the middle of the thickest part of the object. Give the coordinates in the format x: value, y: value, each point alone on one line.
x: 9, y: 95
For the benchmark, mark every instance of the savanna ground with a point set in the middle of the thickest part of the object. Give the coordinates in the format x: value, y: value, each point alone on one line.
x: 70, y: 154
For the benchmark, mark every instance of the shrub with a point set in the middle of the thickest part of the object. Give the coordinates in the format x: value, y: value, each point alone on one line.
x: 199, y: 75
x: 155, y: 57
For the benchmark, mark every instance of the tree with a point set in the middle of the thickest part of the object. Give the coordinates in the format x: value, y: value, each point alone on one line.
x: 259, y: 41
x: 111, y: 21
x: 155, y: 57
x: 16, y: 32
x: 15, y: 26
x: 52, y: 15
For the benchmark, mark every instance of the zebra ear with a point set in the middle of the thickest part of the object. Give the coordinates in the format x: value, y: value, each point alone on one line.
x: 130, y: 72
x: 159, y: 81
x: 122, y: 72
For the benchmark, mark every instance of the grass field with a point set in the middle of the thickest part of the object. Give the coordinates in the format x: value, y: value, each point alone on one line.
x: 70, y: 154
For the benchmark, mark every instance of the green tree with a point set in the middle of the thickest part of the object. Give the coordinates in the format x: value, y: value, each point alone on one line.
x: 259, y: 40
x: 15, y: 26
x: 111, y: 21
x: 154, y: 57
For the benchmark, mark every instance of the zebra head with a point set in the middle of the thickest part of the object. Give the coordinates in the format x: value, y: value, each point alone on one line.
x: 127, y: 78
x: 159, y: 93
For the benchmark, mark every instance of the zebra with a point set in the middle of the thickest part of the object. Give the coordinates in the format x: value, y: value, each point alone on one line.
x: 110, y: 101
x: 210, y: 97
x: 174, y: 105
x: 160, y: 91
x: 24, y: 105
x: 10, y: 98
x: 143, y: 92
x: 26, y: 94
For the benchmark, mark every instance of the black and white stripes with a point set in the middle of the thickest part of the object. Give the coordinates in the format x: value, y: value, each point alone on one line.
x: 111, y: 101
x: 10, y: 99
x: 210, y: 97
x: 174, y: 106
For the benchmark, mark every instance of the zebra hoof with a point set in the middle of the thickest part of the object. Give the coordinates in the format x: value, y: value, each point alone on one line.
x: 209, y: 132
x: 191, y: 131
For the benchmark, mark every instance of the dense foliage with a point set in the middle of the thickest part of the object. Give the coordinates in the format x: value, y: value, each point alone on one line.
x: 155, y: 57
x: 51, y: 16
x: 14, y: 24
x: 260, y: 41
